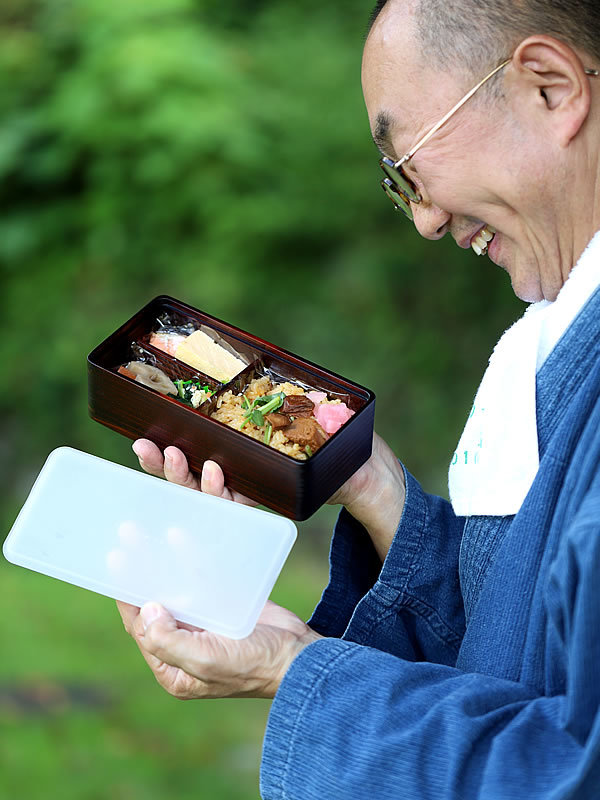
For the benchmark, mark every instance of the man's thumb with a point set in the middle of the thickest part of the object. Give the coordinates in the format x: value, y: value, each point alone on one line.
x: 150, y: 612
x: 162, y: 637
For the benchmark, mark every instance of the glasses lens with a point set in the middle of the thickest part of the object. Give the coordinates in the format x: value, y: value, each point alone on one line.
x: 399, y: 200
x: 397, y: 176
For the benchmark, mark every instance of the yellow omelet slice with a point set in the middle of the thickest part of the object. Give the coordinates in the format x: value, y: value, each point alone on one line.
x: 201, y: 352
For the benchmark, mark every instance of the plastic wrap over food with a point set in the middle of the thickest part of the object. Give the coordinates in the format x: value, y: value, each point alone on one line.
x: 169, y: 332
x: 167, y: 376
x: 200, y: 347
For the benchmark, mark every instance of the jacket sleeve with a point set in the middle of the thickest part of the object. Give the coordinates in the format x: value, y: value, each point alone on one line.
x: 411, y: 605
x: 352, y: 721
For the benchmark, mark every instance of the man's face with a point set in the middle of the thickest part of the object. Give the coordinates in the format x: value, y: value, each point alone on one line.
x: 479, y: 169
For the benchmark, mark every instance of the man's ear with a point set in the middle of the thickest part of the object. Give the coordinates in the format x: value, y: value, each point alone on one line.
x: 554, y: 73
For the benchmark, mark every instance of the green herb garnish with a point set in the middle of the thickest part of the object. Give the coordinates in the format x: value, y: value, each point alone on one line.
x: 185, y: 389
x: 260, y: 407
x: 268, y: 433
x: 308, y: 450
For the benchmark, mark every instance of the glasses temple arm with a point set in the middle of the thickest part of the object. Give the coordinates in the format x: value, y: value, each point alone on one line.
x: 452, y: 111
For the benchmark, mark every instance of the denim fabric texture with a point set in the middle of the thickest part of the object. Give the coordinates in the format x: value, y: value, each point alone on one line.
x: 468, y: 665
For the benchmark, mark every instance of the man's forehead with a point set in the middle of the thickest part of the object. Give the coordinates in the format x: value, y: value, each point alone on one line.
x: 394, y: 33
x: 391, y: 76
x: 404, y: 94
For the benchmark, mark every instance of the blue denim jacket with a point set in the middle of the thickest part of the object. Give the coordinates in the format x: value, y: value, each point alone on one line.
x: 468, y: 665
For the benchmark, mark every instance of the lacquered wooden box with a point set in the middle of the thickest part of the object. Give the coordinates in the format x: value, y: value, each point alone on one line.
x: 295, y: 488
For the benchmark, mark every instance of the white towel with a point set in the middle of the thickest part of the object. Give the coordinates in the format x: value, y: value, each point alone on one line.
x: 497, y: 457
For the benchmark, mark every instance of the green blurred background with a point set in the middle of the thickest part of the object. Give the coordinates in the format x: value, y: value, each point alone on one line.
x: 217, y: 151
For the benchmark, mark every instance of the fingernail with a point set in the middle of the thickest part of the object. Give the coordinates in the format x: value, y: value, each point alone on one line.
x: 150, y: 612
x: 168, y: 459
x: 136, y: 449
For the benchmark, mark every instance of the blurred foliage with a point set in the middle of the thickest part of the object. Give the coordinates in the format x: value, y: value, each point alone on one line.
x: 219, y: 152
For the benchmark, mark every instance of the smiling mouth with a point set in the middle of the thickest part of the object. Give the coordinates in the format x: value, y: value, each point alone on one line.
x: 480, y: 242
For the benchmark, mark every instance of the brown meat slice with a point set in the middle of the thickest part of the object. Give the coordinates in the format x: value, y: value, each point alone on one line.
x: 277, y: 421
x: 298, y: 405
x: 306, y: 431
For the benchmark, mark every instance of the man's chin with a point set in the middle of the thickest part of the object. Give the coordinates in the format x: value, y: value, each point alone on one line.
x: 525, y: 282
x: 528, y: 296
x: 527, y: 289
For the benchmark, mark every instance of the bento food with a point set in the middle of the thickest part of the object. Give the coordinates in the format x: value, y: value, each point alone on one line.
x: 149, y: 376
x: 169, y: 357
x: 204, y: 354
x: 203, y: 349
x: 193, y: 364
x: 192, y: 392
x: 285, y: 415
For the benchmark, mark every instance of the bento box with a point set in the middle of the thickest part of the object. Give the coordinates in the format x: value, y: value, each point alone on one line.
x: 286, y: 432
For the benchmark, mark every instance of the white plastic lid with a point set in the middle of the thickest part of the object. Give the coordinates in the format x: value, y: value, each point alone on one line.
x: 127, y: 535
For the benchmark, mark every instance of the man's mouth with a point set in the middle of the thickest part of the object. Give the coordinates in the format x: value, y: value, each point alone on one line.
x: 481, y: 240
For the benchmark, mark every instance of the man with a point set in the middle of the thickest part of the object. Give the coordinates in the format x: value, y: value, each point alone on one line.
x: 456, y: 651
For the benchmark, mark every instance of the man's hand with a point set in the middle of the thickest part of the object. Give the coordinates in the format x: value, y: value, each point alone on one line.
x: 375, y: 495
x: 192, y: 663
x: 174, y: 467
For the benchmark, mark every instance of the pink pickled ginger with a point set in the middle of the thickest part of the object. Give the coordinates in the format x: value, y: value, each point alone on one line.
x: 331, y: 416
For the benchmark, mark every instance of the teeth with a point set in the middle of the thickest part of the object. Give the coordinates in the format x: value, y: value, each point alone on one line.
x: 481, y: 241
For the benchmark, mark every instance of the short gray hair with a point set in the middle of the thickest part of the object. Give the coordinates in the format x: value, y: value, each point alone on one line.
x: 473, y: 36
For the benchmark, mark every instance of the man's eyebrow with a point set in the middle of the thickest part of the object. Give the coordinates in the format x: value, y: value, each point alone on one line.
x: 381, y: 135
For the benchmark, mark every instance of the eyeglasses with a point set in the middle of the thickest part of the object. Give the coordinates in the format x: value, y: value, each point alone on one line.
x: 397, y: 185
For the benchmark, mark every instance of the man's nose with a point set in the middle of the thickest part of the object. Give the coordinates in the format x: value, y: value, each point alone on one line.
x: 431, y: 222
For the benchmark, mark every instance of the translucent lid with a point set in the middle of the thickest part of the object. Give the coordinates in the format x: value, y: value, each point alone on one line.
x: 119, y: 532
